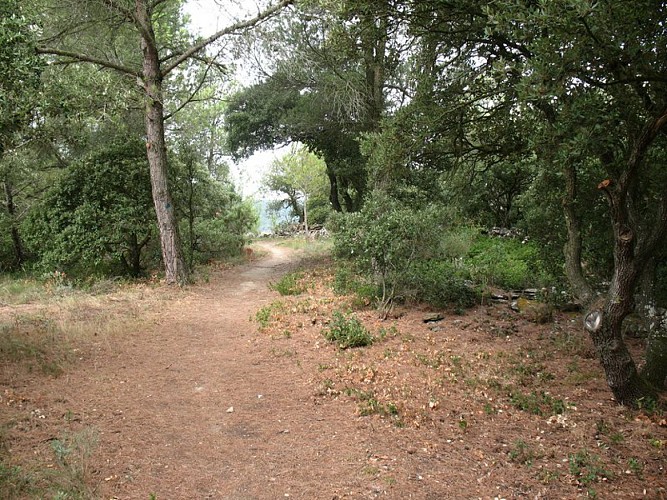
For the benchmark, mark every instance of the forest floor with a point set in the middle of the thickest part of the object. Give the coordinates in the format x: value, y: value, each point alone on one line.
x: 228, y: 390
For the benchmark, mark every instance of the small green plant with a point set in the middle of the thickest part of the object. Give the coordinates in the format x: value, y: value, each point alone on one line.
x: 587, y: 468
x: 522, y: 453
x: 14, y: 482
x: 72, y: 454
x: 657, y: 443
x: 290, y: 284
x: 347, y: 332
x: 616, y: 438
x: 266, y: 313
x: 636, y: 466
x: 537, y: 403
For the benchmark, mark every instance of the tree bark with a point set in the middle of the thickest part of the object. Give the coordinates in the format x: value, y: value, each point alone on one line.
x: 174, y: 264
x: 17, y: 242
x: 573, y: 247
x: 628, y: 387
x: 333, y: 191
x: 632, y: 253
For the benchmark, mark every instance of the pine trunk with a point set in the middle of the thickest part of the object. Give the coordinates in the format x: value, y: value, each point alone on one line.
x: 174, y: 264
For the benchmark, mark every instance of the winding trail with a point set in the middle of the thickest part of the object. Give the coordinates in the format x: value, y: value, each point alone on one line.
x: 200, y: 406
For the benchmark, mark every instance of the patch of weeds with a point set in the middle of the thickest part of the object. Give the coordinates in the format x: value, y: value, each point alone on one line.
x: 616, y: 438
x: 572, y: 344
x: 577, y: 375
x: 36, y: 342
x: 22, y: 290
x: 435, y: 361
x: 347, y: 332
x: 370, y: 405
x: 538, y: 403
x: 384, y: 332
x: 522, y: 453
x: 636, y: 466
x: 649, y: 405
x: 489, y: 409
x: 548, y: 476
x: 72, y: 454
x: 657, y: 443
x: 290, y: 284
x: 266, y: 314
x: 526, y: 374
x: 14, y: 482
x: 586, y: 467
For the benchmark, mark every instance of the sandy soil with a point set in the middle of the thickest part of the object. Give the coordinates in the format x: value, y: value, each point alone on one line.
x: 197, y: 403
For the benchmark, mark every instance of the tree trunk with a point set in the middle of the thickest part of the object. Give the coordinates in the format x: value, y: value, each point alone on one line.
x: 573, y: 247
x: 174, y: 264
x: 333, y: 191
x: 604, y: 325
x: 305, y: 213
x: 17, y: 243
x: 655, y: 319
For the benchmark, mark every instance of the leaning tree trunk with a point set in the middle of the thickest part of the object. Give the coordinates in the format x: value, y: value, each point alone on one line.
x: 174, y: 264
x: 655, y: 323
x: 604, y: 325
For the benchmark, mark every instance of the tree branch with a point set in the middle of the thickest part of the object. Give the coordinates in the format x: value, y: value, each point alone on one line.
x: 193, y: 49
x: 194, y: 92
x: 114, y: 6
x: 75, y: 56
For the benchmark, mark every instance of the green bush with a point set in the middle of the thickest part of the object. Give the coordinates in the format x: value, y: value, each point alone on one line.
x: 347, y: 331
x: 346, y: 281
x: 385, y: 239
x: 441, y: 284
x: 506, y: 263
x: 290, y: 284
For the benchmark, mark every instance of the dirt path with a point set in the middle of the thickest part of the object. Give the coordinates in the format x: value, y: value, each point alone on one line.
x: 200, y: 407
x: 197, y: 403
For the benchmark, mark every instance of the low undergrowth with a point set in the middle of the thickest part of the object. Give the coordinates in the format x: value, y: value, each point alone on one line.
x: 488, y: 383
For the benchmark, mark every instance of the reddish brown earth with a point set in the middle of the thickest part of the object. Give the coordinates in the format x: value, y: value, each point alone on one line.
x: 189, y: 398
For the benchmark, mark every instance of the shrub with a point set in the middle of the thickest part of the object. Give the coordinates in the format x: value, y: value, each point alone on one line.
x: 347, y: 331
x: 290, y: 284
x: 385, y: 239
x: 508, y: 264
x: 440, y: 284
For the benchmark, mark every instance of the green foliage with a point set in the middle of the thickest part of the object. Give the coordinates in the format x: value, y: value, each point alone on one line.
x: 15, y: 482
x: 347, y: 332
x: 214, y: 220
x: 386, y: 238
x: 98, y: 217
x: 441, y: 284
x: 290, y: 284
x: 20, y: 69
x: 540, y: 403
x: 506, y: 263
x: 522, y: 453
x: 586, y: 467
x: 265, y: 315
x: 300, y: 176
x: 347, y: 281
